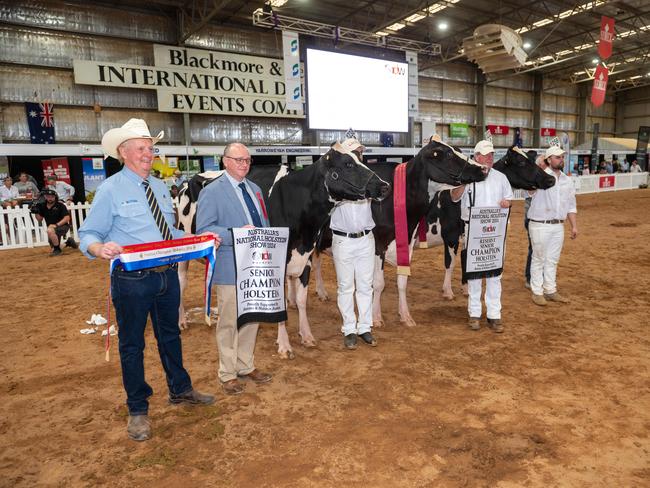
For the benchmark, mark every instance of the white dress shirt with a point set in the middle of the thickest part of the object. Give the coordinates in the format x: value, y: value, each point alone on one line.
x: 352, y: 217
x: 489, y: 192
x: 556, y: 202
x: 10, y: 193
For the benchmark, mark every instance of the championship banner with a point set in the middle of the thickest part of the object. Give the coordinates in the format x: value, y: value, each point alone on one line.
x: 260, y: 266
x: 485, y: 243
x: 151, y: 254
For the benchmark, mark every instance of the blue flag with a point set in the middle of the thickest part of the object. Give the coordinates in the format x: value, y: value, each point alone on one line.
x: 518, y: 140
x: 40, y: 118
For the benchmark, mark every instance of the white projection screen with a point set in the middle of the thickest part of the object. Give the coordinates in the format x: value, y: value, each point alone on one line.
x: 346, y: 91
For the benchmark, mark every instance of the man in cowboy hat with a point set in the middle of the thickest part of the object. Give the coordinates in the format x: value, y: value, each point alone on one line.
x: 546, y: 215
x: 121, y: 214
x: 494, y: 191
x: 353, y: 250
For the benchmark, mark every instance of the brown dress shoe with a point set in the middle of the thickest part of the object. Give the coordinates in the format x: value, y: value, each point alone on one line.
x: 496, y: 325
x: 473, y: 323
x: 139, y: 428
x: 232, y: 387
x: 556, y: 297
x: 539, y: 300
x: 257, y: 376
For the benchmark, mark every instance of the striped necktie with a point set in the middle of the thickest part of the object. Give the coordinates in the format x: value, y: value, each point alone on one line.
x: 158, y: 216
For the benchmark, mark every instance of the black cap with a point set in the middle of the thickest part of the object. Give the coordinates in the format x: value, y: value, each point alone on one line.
x: 48, y: 191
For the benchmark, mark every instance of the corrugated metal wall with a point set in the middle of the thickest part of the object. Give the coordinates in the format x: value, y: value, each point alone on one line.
x: 39, y: 40
x: 636, y: 111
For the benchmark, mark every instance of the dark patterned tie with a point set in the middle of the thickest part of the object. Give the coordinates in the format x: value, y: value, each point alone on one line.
x: 158, y: 216
x: 257, y: 222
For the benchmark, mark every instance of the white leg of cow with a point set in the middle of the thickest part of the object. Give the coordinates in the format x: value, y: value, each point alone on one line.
x: 404, y: 314
x: 284, y: 346
x: 306, y: 337
x: 291, y: 291
x: 183, y: 268
x: 316, y: 263
x: 378, y: 284
x: 450, y: 261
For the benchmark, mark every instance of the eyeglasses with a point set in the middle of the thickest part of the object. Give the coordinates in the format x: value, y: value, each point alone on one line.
x: 242, y: 161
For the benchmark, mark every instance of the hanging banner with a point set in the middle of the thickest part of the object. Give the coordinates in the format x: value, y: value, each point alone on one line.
x: 58, y: 167
x: 499, y: 130
x: 600, y: 85
x: 458, y: 130
x: 485, y: 245
x: 260, y: 265
x: 547, y: 132
x: 291, y: 53
x: 94, y: 175
x: 606, y: 37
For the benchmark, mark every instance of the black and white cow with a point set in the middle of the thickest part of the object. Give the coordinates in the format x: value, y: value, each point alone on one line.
x: 445, y: 226
x: 303, y: 201
x: 263, y: 175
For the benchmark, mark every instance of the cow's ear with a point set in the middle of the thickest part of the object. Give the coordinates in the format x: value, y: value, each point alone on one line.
x: 532, y: 155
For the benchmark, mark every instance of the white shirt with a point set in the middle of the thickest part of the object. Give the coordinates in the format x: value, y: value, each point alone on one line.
x: 489, y: 192
x: 10, y: 193
x: 352, y: 217
x: 635, y: 168
x: 63, y: 190
x: 556, y: 202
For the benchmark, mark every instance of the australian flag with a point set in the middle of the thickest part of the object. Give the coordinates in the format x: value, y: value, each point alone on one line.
x: 40, y: 118
x: 518, y: 141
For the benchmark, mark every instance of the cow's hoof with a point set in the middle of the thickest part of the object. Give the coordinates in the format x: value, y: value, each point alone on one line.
x: 183, y: 326
x: 448, y: 296
x: 323, y: 297
x: 378, y: 323
x: 409, y: 322
x: 287, y: 354
x: 310, y: 342
x: 292, y: 305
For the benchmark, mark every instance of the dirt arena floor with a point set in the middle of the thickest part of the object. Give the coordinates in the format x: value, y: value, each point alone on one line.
x: 561, y: 399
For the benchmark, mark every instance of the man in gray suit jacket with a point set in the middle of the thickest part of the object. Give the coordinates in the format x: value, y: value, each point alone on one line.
x: 232, y: 201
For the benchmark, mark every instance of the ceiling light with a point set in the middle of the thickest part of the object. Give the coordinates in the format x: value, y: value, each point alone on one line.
x: 594, y: 61
x: 527, y: 45
x: 442, y: 25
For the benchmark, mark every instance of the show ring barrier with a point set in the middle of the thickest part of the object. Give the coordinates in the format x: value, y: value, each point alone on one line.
x: 20, y: 229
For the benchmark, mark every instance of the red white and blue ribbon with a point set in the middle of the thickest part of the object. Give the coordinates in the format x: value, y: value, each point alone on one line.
x: 151, y: 254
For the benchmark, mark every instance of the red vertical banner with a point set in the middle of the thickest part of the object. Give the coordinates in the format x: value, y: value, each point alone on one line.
x: 607, y: 34
x: 600, y: 85
x: 58, y: 167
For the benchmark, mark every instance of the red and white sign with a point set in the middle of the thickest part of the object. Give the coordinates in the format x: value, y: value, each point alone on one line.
x: 607, y: 34
x: 547, y: 132
x: 498, y: 130
x: 58, y: 167
x: 607, y: 182
x: 600, y: 85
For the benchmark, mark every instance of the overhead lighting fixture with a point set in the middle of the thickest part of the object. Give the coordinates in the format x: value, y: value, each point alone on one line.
x: 418, y: 16
x: 527, y: 45
x: 585, y: 7
x: 442, y: 25
x: 594, y: 61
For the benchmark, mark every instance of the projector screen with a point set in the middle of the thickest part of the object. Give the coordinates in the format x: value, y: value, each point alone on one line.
x: 346, y: 91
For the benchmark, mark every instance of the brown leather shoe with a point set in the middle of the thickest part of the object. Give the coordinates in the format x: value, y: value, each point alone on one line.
x: 496, y: 325
x: 473, y: 323
x: 556, y: 297
x: 232, y: 387
x: 539, y: 300
x: 257, y: 376
x: 139, y: 428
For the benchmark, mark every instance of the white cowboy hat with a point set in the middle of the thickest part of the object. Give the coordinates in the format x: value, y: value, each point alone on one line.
x: 133, y: 129
x: 483, y: 147
x: 553, y: 151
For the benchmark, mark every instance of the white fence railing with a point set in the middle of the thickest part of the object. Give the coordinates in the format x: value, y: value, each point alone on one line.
x: 19, y: 227
x: 598, y: 183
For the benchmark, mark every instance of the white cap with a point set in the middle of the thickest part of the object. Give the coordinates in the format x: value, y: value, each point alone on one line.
x: 554, y: 151
x: 352, y: 144
x: 484, y: 147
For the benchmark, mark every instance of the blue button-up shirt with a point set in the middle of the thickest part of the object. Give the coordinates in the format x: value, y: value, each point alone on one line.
x: 120, y: 212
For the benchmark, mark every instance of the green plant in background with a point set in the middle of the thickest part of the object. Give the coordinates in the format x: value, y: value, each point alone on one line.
x: 89, y: 196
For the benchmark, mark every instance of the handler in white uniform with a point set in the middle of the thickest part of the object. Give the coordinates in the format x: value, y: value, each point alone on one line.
x: 494, y: 191
x: 353, y: 248
x: 546, y: 215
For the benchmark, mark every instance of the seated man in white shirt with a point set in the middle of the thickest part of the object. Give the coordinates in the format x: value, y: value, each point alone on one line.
x: 8, y: 193
x: 494, y: 191
x: 64, y: 191
x: 353, y: 249
x: 546, y: 215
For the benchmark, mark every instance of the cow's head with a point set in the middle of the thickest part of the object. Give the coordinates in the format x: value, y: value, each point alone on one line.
x: 521, y: 170
x: 448, y: 165
x: 347, y: 178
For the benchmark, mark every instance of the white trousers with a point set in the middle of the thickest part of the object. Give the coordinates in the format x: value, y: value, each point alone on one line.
x: 547, y: 241
x: 354, y: 260
x: 492, y: 297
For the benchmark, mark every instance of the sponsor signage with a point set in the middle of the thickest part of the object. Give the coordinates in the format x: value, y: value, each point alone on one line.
x: 458, y: 130
x: 499, y: 130
x: 291, y: 51
x: 600, y: 85
x: 606, y: 37
x: 198, y: 81
x: 547, y: 132
x: 606, y: 182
